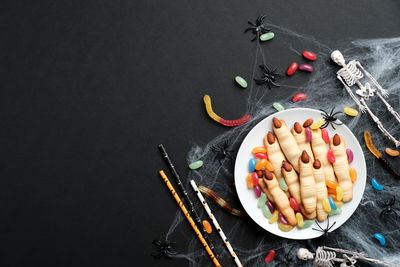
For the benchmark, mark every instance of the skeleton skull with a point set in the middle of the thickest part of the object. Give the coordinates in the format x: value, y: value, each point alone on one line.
x: 304, y: 254
x: 338, y: 58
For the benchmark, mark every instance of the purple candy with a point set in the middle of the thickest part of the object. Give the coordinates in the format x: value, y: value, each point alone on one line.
x: 282, y: 219
x: 308, y: 134
x: 306, y: 67
x: 350, y: 155
x: 270, y: 206
x: 257, y: 191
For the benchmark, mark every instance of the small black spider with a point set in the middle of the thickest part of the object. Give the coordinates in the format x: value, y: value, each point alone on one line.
x: 387, y: 206
x: 268, y: 77
x: 222, y: 151
x: 164, y: 249
x: 330, y: 118
x: 326, y: 230
x: 257, y: 28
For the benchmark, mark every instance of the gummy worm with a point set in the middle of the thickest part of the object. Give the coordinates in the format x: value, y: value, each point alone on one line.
x: 378, y: 155
x: 214, y: 196
x: 210, y: 112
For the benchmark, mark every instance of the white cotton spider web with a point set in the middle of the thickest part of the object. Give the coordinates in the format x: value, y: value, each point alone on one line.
x: 251, y: 243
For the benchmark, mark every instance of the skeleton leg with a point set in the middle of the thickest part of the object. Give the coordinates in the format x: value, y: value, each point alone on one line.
x: 379, y: 124
x: 378, y: 86
x: 389, y: 107
x: 361, y: 107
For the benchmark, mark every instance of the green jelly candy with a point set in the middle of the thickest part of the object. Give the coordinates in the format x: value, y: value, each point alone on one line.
x: 335, y: 212
x: 196, y: 164
x: 267, y: 36
x: 261, y: 200
x: 307, y: 223
x: 278, y: 106
x: 283, y: 184
x: 242, y: 82
x: 266, y: 212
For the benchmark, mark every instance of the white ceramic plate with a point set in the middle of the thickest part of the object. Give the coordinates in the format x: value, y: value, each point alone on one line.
x: 255, y: 138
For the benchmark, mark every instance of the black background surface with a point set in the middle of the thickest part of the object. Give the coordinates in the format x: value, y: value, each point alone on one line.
x: 88, y: 90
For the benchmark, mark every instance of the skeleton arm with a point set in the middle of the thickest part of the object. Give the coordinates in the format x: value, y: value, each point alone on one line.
x: 378, y: 86
x: 362, y: 108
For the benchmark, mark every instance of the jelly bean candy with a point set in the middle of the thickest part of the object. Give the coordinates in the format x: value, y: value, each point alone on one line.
x: 350, y: 111
x: 309, y: 55
x: 339, y: 204
x: 300, y: 219
x: 252, y: 165
x: 195, y: 165
x: 242, y: 82
x: 331, y: 184
x: 335, y: 212
x: 282, y: 219
x: 278, y: 106
x: 293, y: 204
x: 332, y: 203
x: 207, y: 227
x: 292, y: 68
x: 257, y: 191
x: 353, y: 174
x: 261, y: 156
x: 350, y: 155
x: 308, y: 134
x: 317, y: 124
x: 339, y: 193
x: 376, y: 185
x: 325, y: 135
x: 249, y: 181
x: 298, y: 97
x: 333, y: 196
x: 380, y: 238
x: 270, y: 206
x: 391, y: 152
x: 266, y: 212
x: 268, y: 166
x: 262, y: 200
x: 306, y: 67
x: 270, y: 256
x: 326, y: 205
x: 259, y: 149
x: 274, y: 217
x: 254, y: 176
x: 307, y: 223
x: 331, y: 157
x: 331, y: 191
x: 282, y: 184
x: 285, y: 227
x: 267, y: 36
x: 261, y: 164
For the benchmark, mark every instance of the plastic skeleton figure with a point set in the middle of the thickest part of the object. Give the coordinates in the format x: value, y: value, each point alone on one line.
x: 350, y: 74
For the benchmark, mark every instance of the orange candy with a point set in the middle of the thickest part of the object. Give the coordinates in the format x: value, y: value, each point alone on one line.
x: 333, y: 196
x: 353, y: 174
x: 207, y: 226
x: 259, y: 149
x: 268, y: 166
x: 331, y: 191
x: 331, y: 184
x: 249, y: 181
x: 261, y: 164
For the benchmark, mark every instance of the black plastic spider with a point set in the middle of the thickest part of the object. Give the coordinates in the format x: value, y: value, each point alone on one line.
x: 257, y: 28
x: 326, y: 230
x: 268, y: 77
x: 222, y: 151
x: 330, y: 118
x: 164, y: 249
x: 387, y: 206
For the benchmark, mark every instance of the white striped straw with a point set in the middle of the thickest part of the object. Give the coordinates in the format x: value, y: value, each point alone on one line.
x: 216, y: 224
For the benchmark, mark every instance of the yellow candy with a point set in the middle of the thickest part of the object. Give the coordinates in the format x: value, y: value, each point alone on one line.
x: 326, y: 205
x: 268, y: 166
x: 339, y: 193
x: 274, y: 217
x: 285, y: 227
x: 338, y: 204
x: 353, y: 174
x: 300, y: 220
x: 350, y: 111
x: 317, y: 125
x: 261, y: 164
x: 259, y: 149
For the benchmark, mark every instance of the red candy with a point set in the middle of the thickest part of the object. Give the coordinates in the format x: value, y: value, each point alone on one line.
x: 325, y: 135
x: 310, y: 56
x: 292, y: 68
x: 261, y: 156
x: 298, y: 97
x: 254, y: 176
x: 293, y: 204
x: 270, y: 256
x: 331, y: 157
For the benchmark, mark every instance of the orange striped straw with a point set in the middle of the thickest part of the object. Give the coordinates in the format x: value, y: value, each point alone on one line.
x: 189, y: 218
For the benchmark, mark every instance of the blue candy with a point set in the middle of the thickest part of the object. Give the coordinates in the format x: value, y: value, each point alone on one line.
x: 380, y: 238
x: 332, y: 203
x: 376, y: 185
x: 252, y: 165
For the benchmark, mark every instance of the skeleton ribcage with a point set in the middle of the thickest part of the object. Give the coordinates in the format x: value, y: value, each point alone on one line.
x: 324, y: 258
x: 351, y: 74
